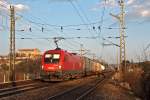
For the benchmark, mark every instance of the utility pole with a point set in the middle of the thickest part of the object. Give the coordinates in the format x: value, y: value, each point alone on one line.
x: 121, y: 18
x: 12, y: 45
x: 82, y: 53
x: 146, y: 54
x: 81, y: 50
x: 117, y: 60
x: 94, y: 56
x: 122, y: 36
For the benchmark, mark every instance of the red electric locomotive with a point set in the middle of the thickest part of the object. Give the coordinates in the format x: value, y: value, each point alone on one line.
x: 60, y: 64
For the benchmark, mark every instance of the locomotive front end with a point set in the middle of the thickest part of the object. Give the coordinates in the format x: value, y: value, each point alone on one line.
x: 51, y: 65
x: 51, y: 62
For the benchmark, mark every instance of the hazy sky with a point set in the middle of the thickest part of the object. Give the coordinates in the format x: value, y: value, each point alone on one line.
x: 77, y: 18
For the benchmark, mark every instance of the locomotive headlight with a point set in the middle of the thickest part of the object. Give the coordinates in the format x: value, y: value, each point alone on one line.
x: 59, y: 66
x: 42, y: 67
x: 103, y: 67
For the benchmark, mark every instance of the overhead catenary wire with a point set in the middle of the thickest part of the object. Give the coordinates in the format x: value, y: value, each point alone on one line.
x: 31, y: 29
x: 93, y: 27
x: 86, y: 17
x: 73, y: 40
x: 102, y: 18
x: 77, y: 11
x: 48, y: 24
x: 56, y: 25
x: 65, y: 27
x: 37, y: 41
x: 48, y: 39
x: 4, y: 6
x: 32, y: 35
x: 59, y: 26
x: 58, y: 37
x: 39, y: 26
x: 82, y: 19
x: 100, y: 27
x: 55, y: 32
x: 69, y: 45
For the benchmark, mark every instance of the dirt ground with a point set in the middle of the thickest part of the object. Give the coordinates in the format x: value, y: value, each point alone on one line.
x: 113, y: 90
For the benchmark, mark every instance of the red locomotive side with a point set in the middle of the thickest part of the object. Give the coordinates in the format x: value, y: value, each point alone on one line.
x: 61, y: 64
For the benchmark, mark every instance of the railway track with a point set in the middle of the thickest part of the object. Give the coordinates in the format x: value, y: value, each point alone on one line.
x: 75, y: 93
x: 4, y: 92
x: 79, y: 92
x: 15, y: 83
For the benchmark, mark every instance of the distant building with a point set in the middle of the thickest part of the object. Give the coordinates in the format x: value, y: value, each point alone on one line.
x: 31, y: 53
x: 3, y: 59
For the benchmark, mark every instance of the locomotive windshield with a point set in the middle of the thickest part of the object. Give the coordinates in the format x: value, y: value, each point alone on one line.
x: 52, y: 58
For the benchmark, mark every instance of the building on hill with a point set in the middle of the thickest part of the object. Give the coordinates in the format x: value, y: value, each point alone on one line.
x: 31, y: 53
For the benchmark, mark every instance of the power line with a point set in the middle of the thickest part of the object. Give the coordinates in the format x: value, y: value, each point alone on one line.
x: 70, y: 45
x: 102, y: 17
x: 49, y: 38
x: 37, y: 41
x: 147, y: 47
x: 86, y: 17
x: 101, y: 25
x: 52, y: 25
x: 44, y: 32
x: 41, y: 25
x: 63, y: 27
x: 58, y: 37
x: 82, y: 11
x: 89, y: 23
x: 82, y: 19
x: 4, y: 6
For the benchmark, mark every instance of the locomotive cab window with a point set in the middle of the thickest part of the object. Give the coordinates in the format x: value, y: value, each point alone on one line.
x: 52, y: 58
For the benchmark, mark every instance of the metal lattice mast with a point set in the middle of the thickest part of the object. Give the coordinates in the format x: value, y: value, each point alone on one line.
x: 121, y: 18
x: 122, y: 36
x: 12, y: 44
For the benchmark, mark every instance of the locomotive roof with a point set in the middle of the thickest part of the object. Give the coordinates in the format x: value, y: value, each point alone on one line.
x: 59, y: 49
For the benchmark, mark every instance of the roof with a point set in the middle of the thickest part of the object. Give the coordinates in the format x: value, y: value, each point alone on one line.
x: 29, y: 49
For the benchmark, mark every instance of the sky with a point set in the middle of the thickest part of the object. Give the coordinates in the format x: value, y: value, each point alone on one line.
x: 78, y: 22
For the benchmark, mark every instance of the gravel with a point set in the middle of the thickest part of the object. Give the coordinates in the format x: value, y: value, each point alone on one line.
x: 111, y: 91
x: 44, y: 93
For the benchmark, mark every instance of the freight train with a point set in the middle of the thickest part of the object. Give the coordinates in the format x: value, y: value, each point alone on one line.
x: 59, y: 64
